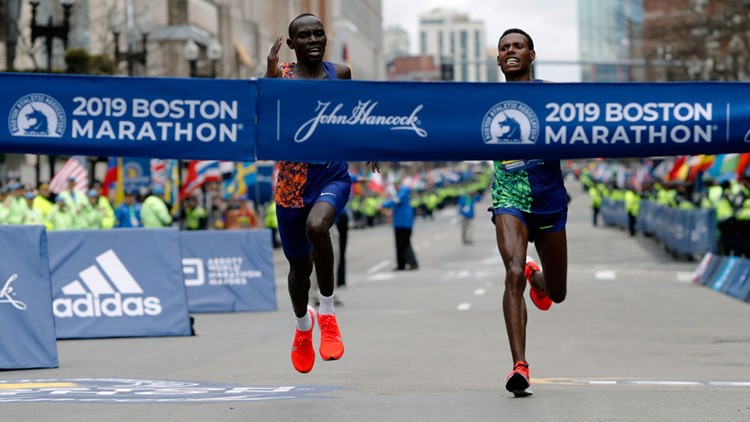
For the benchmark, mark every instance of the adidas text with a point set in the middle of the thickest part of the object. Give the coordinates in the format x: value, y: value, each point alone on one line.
x: 90, y: 306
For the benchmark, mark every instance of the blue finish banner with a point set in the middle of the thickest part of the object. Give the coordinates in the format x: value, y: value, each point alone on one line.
x: 118, y: 283
x: 128, y: 117
x: 378, y: 121
x: 27, y: 337
x: 228, y: 271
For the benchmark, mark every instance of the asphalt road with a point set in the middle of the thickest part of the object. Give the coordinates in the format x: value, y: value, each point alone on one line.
x: 634, y: 341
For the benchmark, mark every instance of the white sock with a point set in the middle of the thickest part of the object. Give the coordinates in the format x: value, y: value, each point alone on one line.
x: 326, y: 305
x: 304, y: 323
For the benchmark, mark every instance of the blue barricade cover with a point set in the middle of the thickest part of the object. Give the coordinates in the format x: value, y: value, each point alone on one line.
x: 128, y: 117
x: 118, y: 283
x: 690, y: 232
x: 353, y: 120
x: 27, y: 337
x: 724, y: 277
x: 741, y: 287
x: 614, y: 213
x: 228, y: 271
x: 725, y: 274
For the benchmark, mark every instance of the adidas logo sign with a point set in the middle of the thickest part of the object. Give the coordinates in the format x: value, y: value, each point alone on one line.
x: 97, y: 297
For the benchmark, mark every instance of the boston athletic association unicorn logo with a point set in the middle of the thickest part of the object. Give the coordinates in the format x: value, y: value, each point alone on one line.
x: 510, y: 129
x: 510, y: 122
x: 39, y: 123
x: 37, y: 115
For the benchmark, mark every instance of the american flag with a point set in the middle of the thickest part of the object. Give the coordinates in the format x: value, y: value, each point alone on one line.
x: 199, y: 172
x: 158, y: 172
x: 74, y: 167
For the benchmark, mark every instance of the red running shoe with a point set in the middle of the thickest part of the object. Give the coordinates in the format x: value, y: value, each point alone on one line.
x: 303, y: 353
x: 517, y: 382
x: 538, y: 296
x: 331, y: 347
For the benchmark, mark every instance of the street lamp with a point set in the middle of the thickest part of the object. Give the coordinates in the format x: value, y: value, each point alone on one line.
x: 50, y: 31
x: 214, y: 52
x: 130, y: 56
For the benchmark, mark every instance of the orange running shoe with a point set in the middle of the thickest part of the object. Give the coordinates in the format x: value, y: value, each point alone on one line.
x: 517, y: 382
x: 303, y: 353
x: 538, y: 296
x: 331, y: 347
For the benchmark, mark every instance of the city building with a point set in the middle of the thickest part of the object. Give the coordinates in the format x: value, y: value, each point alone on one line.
x: 396, y: 43
x: 454, y: 40
x: 414, y: 68
x: 610, y: 40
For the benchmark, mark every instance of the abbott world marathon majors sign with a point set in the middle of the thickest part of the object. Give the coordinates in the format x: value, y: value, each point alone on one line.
x: 131, y: 117
x: 228, y: 271
x: 345, y: 120
x: 117, y: 283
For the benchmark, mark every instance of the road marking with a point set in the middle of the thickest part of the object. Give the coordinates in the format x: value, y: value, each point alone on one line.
x: 118, y: 390
x: 634, y: 382
x: 380, y: 277
x: 605, y: 275
x: 464, y: 306
x: 22, y: 385
x: 377, y: 267
x: 685, y: 276
x: 479, y: 292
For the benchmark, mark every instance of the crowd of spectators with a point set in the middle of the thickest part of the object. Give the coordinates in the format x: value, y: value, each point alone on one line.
x: 727, y: 195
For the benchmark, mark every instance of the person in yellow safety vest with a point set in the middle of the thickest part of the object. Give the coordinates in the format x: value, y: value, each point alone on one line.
x: 431, y: 202
x: 595, y: 195
x: 75, y: 199
x: 272, y: 222
x: 61, y: 217
x: 355, y: 204
x: 633, y: 207
x: 43, y: 201
x: 370, y: 209
x: 104, y: 207
x: 4, y: 210
x: 713, y: 195
x: 91, y: 216
x: 33, y: 215
x: 17, y: 205
x: 154, y: 211
x: 194, y: 216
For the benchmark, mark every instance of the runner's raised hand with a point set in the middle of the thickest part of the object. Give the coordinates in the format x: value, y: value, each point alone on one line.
x: 272, y: 64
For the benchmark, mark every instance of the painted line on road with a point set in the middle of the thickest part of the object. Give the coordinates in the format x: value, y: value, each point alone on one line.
x: 635, y: 382
x: 480, y: 292
x: 685, y: 276
x: 380, y: 277
x: 377, y: 267
x: 605, y: 275
x: 463, y: 306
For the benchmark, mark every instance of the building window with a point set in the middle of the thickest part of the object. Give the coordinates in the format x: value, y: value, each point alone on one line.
x: 464, y: 44
x: 440, y: 44
x: 423, y: 42
x: 477, y: 44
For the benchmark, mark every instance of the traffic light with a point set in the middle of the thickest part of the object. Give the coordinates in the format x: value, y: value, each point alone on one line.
x: 446, y: 72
